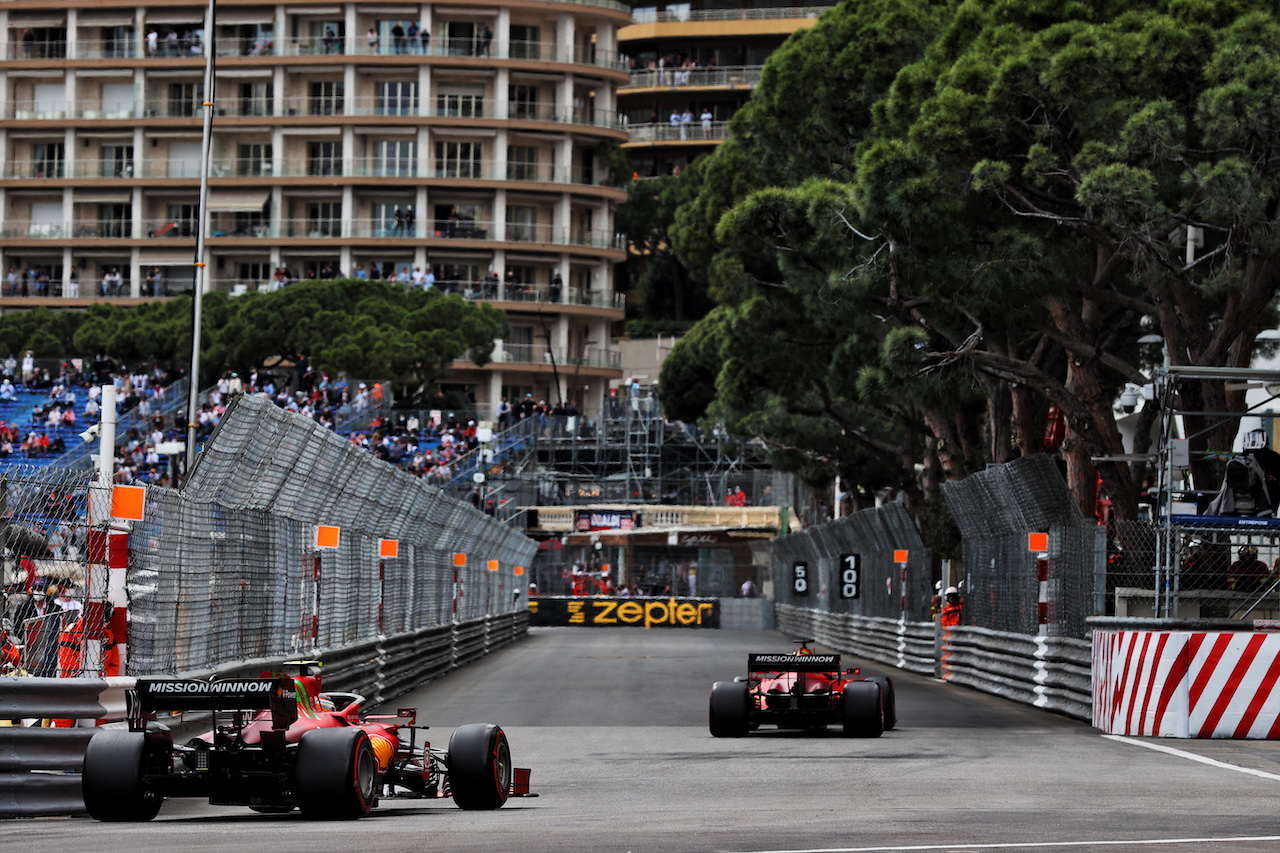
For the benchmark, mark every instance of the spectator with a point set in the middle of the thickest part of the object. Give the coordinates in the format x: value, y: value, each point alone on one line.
x: 28, y: 367
x: 748, y: 588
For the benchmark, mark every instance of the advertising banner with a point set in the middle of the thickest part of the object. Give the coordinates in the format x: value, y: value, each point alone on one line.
x: 597, y: 611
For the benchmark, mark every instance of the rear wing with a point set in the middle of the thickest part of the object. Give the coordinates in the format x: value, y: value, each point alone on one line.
x: 279, y: 695
x: 792, y: 663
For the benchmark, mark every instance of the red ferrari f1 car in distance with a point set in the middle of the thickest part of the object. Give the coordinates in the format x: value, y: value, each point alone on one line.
x: 279, y: 743
x: 803, y: 690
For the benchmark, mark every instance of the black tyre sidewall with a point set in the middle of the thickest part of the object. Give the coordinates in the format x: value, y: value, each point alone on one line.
x: 727, y: 714
x: 326, y: 775
x: 479, y: 766
x: 888, y: 701
x: 863, y: 710
x: 111, y: 778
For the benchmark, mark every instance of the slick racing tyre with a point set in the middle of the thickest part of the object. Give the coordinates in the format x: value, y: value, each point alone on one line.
x: 112, y: 778
x: 888, y: 701
x: 479, y: 767
x: 336, y: 774
x: 728, y: 713
x: 863, y: 714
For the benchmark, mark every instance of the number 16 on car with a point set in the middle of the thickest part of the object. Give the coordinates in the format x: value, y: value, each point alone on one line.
x: 850, y: 575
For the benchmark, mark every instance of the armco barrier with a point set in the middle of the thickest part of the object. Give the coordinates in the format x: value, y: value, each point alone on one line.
x: 40, y: 767
x: 906, y: 645
x: 1048, y: 672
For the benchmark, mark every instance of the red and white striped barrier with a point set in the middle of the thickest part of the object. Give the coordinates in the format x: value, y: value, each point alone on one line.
x: 1187, y: 683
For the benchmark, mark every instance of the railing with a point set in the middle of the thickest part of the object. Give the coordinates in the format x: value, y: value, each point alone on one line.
x: 471, y: 291
x: 431, y: 107
x: 675, y: 78
x: 100, y: 228
x: 541, y: 354
x: 727, y: 14
x: 562, y: 518
x: 694, y: 131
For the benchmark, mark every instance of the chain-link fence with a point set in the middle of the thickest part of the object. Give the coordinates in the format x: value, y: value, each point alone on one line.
x: 1217, y: 570
x: 852, y: 565
x: 53, y: 614
x: 996, y: 509
x: 227, y: 569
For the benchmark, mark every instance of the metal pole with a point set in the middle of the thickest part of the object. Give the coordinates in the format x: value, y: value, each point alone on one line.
x: 197, y: 291
x: 107, y: 436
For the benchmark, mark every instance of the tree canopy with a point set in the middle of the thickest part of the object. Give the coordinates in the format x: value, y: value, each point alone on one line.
x: 935, y: 224
x: 365, y: 328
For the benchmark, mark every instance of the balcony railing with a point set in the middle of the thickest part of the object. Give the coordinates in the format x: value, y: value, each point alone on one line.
x: 542, y: 354
x: 677, y: 78
x: 300, y: 105
x: 694, y: 131
x: 727, y: 14
x: 471, y: 291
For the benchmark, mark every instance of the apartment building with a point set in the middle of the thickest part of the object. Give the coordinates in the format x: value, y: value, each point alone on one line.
x: 460, y: 137
x: 693, y: 64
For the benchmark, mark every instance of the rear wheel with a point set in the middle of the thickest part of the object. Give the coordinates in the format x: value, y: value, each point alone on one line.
x: 728, y: 713
x: 336, y: 773
x: 863, y: 714
x: 479, y: 766
x: 112, y: 778
x: 888, y: 701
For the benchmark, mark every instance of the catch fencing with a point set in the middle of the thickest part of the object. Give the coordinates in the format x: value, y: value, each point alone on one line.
x: 995, y: 510
x: 44, y: 533
x: 852, y: 565
x: 227, y: 569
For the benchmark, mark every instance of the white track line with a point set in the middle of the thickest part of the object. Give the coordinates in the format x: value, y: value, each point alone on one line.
x: 1028, y: 845
x: 1159, y: 747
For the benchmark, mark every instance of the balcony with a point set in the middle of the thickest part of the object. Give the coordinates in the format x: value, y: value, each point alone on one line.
x: 730, y: 77
x: 697, y: 15
x: 383, y: 229
x: 691, y: 132
x: 541, y: 354
x: 442, y: 106
x: 91, y: 167
x: 533, y: 294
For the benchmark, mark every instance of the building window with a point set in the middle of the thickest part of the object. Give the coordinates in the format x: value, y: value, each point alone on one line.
x: 48, y: 159
x: 453, y: 276
x: 396, y: 157
x: 458, y: 159
x: 255, y: 99
x: 326, y: 98
x: 184, y: 218
x: 255, y: 159
x: 251, y: 222
x: 117, y: 161
x: 524, y: 101
x: 460, y: 100
x: 520, y: 222
x: 524, y: 42
x: 463, y: 38
x: 115, y: 220
x: 186, y: 99
x: 324, y: 219
x: 522, y: 163
x: 249, y: 271
x: 324, y: 159
x: 396, y: 98
x: 117, y: 42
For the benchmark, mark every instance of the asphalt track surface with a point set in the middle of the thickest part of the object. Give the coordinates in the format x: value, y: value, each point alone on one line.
x: 613, y: 723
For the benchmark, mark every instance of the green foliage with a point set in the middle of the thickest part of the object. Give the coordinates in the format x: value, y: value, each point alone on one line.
x: 928, y: 211
x: 366, y: 328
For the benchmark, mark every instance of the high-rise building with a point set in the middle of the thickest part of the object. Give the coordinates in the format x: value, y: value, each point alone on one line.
x: 692, y: 66
x: 348, y: 137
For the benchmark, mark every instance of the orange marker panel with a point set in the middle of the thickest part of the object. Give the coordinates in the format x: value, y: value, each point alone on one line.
x: 459, y: 559
x: 128, y: 502
x: 900, y: 555
x: 1037, y: 542
x: 493, y: 565
x: 388, y: 547
x: 327, y: 536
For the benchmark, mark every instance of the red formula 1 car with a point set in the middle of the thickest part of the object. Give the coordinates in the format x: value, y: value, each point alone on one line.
x: 278, y: 743
x: 803, y: 690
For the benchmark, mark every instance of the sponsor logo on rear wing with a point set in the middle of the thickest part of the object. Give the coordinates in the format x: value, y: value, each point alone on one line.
x: 183, y: 694
x: 792, y: 663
